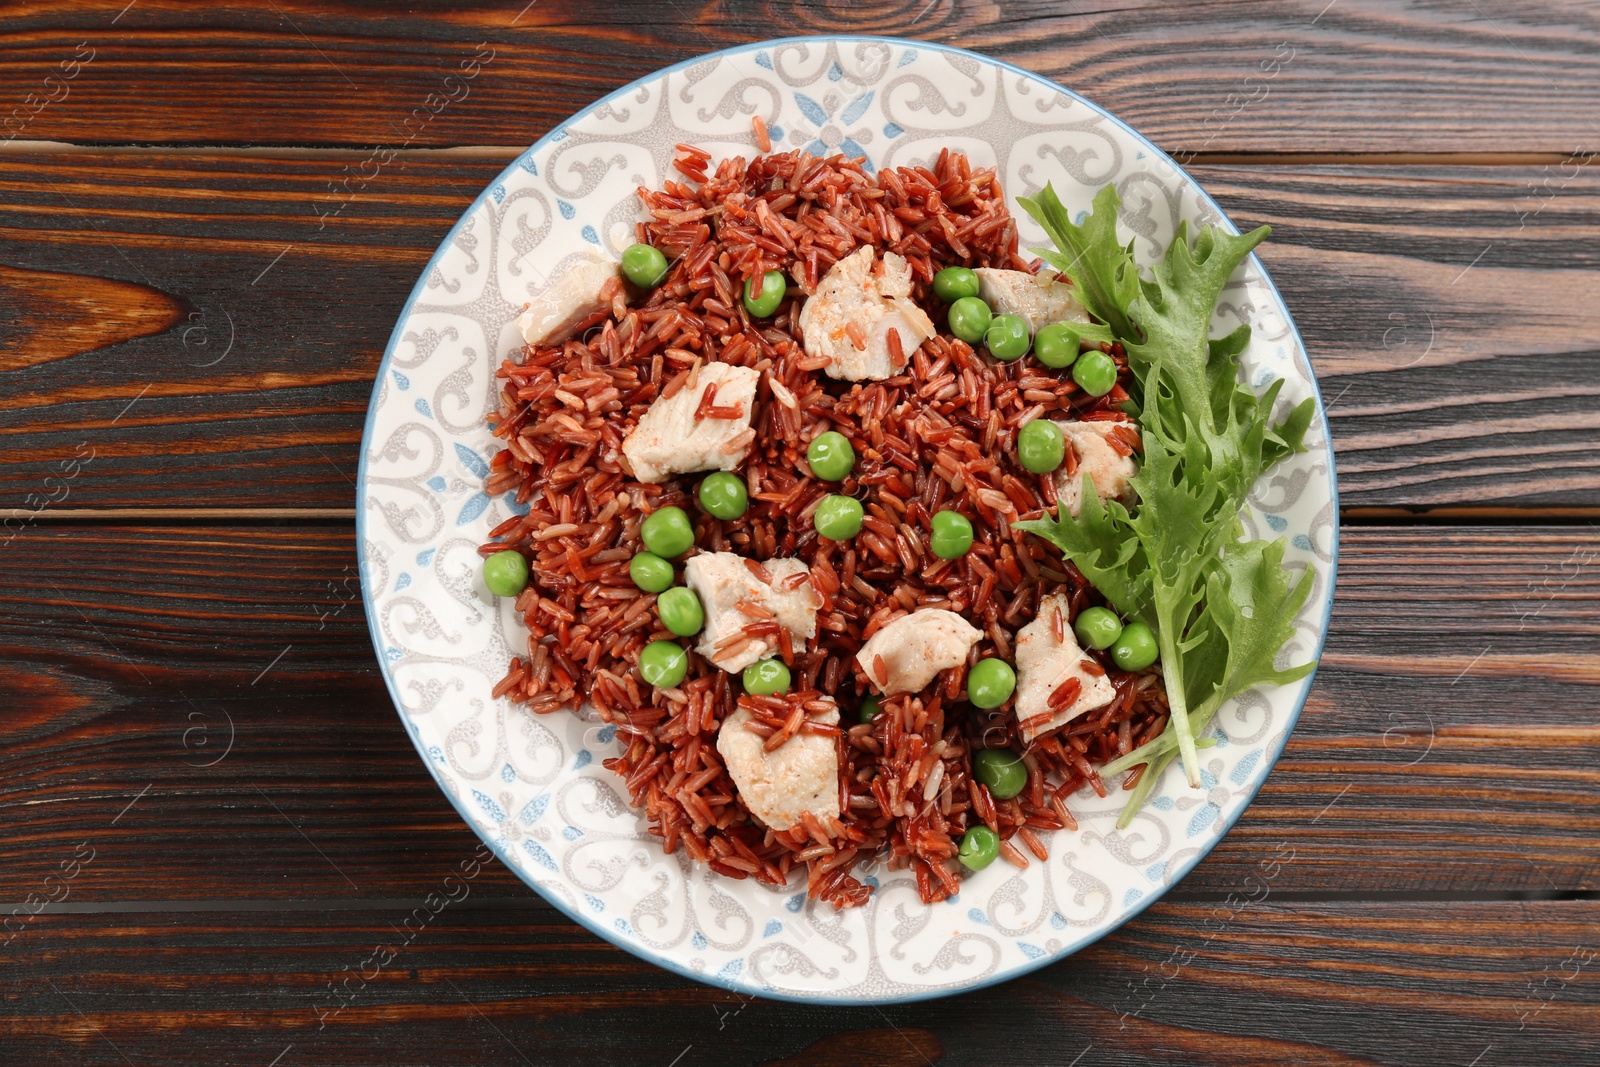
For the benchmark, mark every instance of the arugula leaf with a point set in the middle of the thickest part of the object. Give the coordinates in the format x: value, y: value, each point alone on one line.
x: 1221, y: 608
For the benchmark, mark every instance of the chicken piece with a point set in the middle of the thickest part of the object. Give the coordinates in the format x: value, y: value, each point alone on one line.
x: 1038, y: 299
x: 572, y: 297
x: 670, y: 440
x: 723, y: 581
x: 1044, y: 665
x: 874, y: 297
x: 800, y: 775
x: 915, y: 648
x: 1096, y: 456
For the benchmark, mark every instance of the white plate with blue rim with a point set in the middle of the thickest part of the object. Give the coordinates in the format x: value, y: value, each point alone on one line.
x: 533, y: 787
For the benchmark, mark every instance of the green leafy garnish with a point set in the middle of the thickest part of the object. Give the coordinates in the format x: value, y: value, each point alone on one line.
x: 1221, y: 608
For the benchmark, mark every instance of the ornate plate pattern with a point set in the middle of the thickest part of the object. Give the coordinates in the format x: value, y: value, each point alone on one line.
x: 533, y: 786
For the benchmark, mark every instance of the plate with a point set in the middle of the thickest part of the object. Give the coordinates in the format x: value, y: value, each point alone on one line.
x: 533, y: 787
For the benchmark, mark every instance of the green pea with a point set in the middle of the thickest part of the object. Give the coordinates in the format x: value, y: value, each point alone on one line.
x: 979, y: 847
x: 953, y: 283
x: 1098, y: 627
x: 831, y: 457
x: 1040, y: 446
x: 1056, y: 345
x: 1095, y: 373
x: 969, y: 319
x: 838, y: 518
x: 952, y: 535
x: 644, y: 265
x: 1007, y: 337
x: 1136, y: 649
x: 663, y: 663
x: 506, y: 573
x: 667, y: 532
x: 765, y: 677
x: 991, y: 682
x: 1001, y: 771
x: 680, y: 611
x: 869, y: 708
x: 650, y: 572
x: 724, y: 495
x: 773, y: 286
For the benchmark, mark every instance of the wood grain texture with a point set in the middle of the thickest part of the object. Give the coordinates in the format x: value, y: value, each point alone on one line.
x: 1358, y: 76
x: 51, y: 315
x: 202, y: 705
x: 1451, y: 316
x: 1450, y: 312
x: 1258, y: 985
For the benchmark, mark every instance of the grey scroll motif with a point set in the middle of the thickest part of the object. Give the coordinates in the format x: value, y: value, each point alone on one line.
x: 430, y: 692
x: 454, y: 386
x: 871, y: 60
x: 695, y: 75
x: 589, y: 172
x: 423, y: 345
x: 403, y: 521
x: 1085, y: 885
x: 968, y: 66
x: 1142, y: 195
x: 1106, y: 158
x: 801, y: 53
x: 734, y: 101
x: 729, y: 915
x: 1132, y: 845
x: 954, y: 953
x: 1048, y: 99
x: 1009, y: 898
x: 527, y: 236
x: 929, y: 98
x: 467, y: 242
x: 608, y: 110
x: 651, y: 919
x: 770, y: 961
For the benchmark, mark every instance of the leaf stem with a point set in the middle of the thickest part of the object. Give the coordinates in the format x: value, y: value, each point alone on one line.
x: 1166, y: 742
x: 1141, y: 792
x: 1177, y: 703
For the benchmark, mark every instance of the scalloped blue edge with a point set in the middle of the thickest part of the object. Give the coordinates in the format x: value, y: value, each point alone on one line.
x: 734, y: 984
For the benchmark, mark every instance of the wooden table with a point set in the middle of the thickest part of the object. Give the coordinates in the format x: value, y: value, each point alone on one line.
x: 201, y: 767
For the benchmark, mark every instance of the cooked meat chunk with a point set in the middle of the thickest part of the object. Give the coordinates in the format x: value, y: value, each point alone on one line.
x: 670, y: 440
x: 857, y: 303
x: 724, y: 581
x: 1038, y: 299
x: 1095, y: 452
x: 800, y: 775
x: 570, y: 298
x: 1047, y: 666
x: 916, y: 647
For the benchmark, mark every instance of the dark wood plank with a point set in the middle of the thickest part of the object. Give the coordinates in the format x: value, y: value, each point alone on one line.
x: 221, y: 682
x: 1268, y: 983
x: 1450, y: 315
x: 1450, y: 312
x: 256, y: 395
x: 1358, y: 76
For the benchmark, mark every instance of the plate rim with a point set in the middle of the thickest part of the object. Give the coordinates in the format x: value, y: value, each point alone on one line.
x: 738, y: 985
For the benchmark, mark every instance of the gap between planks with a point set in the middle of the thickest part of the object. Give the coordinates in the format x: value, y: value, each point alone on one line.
x: 521, y: 902
x: 177, y: 515
x: 510, y: 152
x: 1369, y: 516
